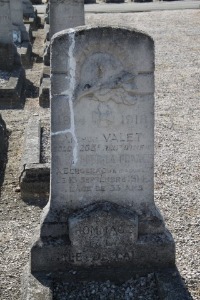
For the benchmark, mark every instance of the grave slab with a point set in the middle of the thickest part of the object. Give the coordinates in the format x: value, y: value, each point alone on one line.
x: 101, y: 214
x: 34, y: 175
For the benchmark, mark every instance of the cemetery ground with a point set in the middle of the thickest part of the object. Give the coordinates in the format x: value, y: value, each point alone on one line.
x: 177, y: 141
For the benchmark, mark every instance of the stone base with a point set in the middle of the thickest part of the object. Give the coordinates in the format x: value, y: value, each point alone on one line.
x: 25, y: 51
x: 12, y: 90
x: 150, y: 253
x: 34, y: 183
x: 35, y: 176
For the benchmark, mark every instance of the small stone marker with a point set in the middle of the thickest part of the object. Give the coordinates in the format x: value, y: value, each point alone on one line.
x: 101, y: 213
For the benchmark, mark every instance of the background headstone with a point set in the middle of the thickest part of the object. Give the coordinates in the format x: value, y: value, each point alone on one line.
x: 65, y: 14
x: 61, y: 15
x: 12, y: 74
x: 101, y: 208
x: 17, y: 19
x: 8, y: 53
x: 89, y: 1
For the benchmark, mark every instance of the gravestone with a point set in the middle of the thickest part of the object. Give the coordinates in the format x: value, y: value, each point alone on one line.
x: 21, y: 33
x: 28, y: 9
x: 101, y: 219
x: 63, y: 14
x: 12, y: 75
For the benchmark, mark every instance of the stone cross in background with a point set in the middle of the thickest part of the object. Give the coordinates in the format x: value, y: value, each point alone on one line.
x: 101, y: 212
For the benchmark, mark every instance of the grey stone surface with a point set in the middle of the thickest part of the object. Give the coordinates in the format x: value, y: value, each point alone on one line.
x: 12, y: 75
x: 31, y: 152
x: 24, y: 46
x: 17, y: 19
x: 5, y: 22
x: 28, y: 9
x: 35, y: 288
x: 101, y: 213
x: 35, y: 176
x: 65, y: 14
x: 12, y: 88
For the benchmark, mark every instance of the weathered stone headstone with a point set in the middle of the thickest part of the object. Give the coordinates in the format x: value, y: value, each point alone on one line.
x: 28, y: 9
x: 64, y: 14
x: 101, y: 213
x: 21, y: 32
x: 11, y: 73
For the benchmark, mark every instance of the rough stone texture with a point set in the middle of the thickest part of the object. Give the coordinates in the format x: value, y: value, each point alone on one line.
x: 102, y: 157
x: 5, y: 23
x: 12, y: 89
x: 35, y: 176
x: 177, y: 39
x: 65, y: 14
x: 28, y: 9
x: 35, y: 288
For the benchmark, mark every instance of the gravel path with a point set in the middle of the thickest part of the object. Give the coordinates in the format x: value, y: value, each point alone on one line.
x: 177, y: 141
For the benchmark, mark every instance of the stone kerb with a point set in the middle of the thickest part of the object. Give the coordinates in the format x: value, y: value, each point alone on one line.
x: 102, y: 156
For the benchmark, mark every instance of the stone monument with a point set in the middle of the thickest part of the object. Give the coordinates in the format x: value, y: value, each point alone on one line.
x: 65, y: 14
x: 101, y: 220
x: 21, y: 33
x: 12, y: 75
x: 62, y: 14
